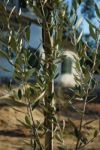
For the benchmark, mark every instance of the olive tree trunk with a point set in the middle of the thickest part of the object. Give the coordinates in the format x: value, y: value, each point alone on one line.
x: 47, y: 45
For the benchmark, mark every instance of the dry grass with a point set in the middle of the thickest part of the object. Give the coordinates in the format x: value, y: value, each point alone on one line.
x: 9, y: 123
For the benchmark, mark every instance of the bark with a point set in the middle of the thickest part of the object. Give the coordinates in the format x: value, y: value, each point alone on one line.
x: 48, y: 68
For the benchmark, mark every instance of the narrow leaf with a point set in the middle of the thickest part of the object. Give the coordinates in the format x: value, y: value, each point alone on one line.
x: 28, y: 33
x: 34, y: 105
x: 80, y: 36
x: 23, y: 123
x: 97, y: 10
x: 58, y: 137
x: 79, y: 22
x: 37, y: 12
x: 4, y: 69
x: 61, y: 148
x: 89, y: 122
x: 19, y: 93
x: 92, y: 32
x: 95, y: 133
x: 12, y: 12
x: 27, y: 120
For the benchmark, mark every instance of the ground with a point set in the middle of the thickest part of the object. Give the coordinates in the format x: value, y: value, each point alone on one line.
x: 13, y: 135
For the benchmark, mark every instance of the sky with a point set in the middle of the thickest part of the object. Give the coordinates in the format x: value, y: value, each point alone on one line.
x: 84, y: 25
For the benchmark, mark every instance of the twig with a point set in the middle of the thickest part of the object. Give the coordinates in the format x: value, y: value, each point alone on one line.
x: 85, y: 102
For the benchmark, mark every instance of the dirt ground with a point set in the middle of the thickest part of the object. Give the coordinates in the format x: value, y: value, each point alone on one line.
x: 13, y: 134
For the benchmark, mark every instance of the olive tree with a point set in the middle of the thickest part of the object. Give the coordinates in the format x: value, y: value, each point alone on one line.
x: 55, y: 22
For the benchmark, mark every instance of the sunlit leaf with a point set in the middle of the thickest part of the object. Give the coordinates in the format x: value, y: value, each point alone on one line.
x: 80, y: 36
x: 12, y: 10
x: 58, y: 137
x: 92, y: 32
x: 79, y: 22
